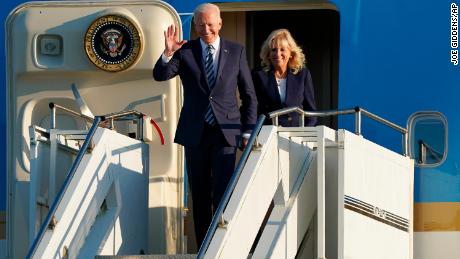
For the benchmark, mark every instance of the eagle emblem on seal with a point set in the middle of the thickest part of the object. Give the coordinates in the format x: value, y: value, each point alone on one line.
x: 113, y: 43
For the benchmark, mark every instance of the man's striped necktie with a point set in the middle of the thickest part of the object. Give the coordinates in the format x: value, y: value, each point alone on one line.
x: 211, y: 75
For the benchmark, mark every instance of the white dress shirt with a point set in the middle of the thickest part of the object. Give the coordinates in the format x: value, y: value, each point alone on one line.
x: 281, y: 83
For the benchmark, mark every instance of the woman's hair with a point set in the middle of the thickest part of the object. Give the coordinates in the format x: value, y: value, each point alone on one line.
x: 296, y: 61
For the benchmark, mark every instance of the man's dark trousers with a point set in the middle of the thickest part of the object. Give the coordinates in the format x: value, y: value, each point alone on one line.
x: 209, y: 164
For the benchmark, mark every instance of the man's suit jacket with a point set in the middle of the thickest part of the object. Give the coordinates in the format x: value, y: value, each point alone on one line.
x: 233, y: 71
x: 299, y: 93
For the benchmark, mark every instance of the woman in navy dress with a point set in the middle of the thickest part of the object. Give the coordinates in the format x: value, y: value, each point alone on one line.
x: 283, y: 80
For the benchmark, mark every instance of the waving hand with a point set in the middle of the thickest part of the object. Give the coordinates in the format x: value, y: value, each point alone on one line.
x: 172, y: 43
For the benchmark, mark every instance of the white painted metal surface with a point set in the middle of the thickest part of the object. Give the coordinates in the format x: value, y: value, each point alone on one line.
x: 33, y: 81
x: 288, y: 222
x: 250, y: 201
x: 277, y: 172
x: 336, y: 195
x: 436, y: 245
x: 106, y: 200
x: 375, y: 200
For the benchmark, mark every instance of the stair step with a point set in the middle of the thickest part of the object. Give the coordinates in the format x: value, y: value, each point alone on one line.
x: 178, y: 256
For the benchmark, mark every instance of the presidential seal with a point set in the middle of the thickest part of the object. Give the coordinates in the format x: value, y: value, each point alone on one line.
x: 113, y: 43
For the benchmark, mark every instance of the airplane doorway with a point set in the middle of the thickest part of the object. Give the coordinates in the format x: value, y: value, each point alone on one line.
x: 317, y: 31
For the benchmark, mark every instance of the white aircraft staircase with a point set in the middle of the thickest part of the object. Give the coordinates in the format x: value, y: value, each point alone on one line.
x: 103, y: 195
x: 323, y: 193
x: 335, y: 195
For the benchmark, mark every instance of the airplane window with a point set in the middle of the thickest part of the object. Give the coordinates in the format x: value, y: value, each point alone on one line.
x: 427, y: 138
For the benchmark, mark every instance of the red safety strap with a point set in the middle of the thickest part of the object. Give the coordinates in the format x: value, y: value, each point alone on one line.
x: 160, y: 133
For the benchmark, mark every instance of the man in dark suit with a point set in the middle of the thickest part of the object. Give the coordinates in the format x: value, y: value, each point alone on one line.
x: 211, y: 124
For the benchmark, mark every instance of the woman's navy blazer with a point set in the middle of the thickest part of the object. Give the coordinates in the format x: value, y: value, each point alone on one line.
x: 299, y: 93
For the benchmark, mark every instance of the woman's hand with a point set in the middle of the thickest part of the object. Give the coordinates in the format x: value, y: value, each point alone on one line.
x: 244, y: 141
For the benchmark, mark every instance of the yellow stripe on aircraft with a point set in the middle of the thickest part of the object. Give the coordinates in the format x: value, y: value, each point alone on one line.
x: 437, y: 216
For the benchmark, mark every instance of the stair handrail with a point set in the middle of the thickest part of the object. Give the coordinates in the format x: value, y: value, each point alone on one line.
x: 54, y: 107
x: 218, y: 219
x: 50, y: 220
x: 356, y: 110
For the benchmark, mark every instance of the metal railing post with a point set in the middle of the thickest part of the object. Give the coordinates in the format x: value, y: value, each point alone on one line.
x: 406, y: 144
x: 275, y: 121
x: 357, y: 121
x: 53, y: 116
x: 302, y: 120
x: 422, y: 152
